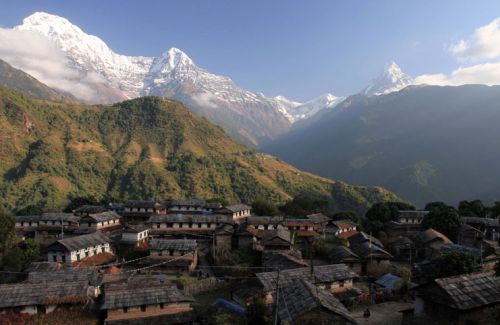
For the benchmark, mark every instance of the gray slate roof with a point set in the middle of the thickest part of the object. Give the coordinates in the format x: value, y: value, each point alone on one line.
x: 28, y: 294
x: 52, y: 216
x: 90, y: 209
x: 322, y: 274
x: 282, y: 234
x: 188, y: 203
x: 102, y: 216
x: 471, y: 290
x: 186, y: 218
x: 183, y: 245
x: 90, y: 275
x: 416, y: 214
x: 300, y: 297
x: 341, y: 253
x: 487, y: 222
x: 143, y: 296
x: 143, y: 204
x: 135, y: 229
x: 79, y: 242
x: 362, y: 237
x: 237, y: 207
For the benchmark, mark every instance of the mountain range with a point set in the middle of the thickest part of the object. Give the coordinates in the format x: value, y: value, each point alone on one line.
x: 425, y: 143
x: 99, y: 75
x: 144, y: 148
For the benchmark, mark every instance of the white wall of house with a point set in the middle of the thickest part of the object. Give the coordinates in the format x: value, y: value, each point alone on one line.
x: 70, y: 257
x: 135, y: 237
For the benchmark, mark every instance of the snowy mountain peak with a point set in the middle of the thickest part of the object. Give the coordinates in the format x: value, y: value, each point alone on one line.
x: 176, y: 57
x: 299, y: 111
x: 391, y: 80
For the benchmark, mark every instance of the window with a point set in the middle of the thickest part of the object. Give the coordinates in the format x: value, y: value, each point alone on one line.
x: 143, y: 308
x: 171, y: 252
x: 86, y: 254
x: 125, y: 310
x: 157, y: 225
x: 199, y: 225
x: 190, y: 225
x: 77, y: 257
x: 162, y: 305
x: 54, y: 258
x: 169, y: 225
x: 63, y: 258
x: 90, y: 224
x: 341, y: 284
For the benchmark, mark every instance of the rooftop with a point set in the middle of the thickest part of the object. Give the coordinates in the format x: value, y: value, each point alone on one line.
x: 102, y: 216
x: 144, y: 296
x: 187, y: 218
x: 321, y: 274
x: 183, y: 245
x: 79, y: 242
x: 300, y: 297
x: 430, y: 235
x: 29, y: 294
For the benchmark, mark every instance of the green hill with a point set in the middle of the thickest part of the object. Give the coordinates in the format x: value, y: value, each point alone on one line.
x: 20, y: 80
x: 147, y: 148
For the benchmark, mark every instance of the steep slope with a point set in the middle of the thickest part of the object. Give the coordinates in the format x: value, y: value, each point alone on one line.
x: 142, y: 148
x: 391, y: 80
x: 424, y: 143
x: 19, y: 80
x: 248, y: 117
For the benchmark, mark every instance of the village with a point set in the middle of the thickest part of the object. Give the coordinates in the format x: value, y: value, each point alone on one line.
x: 198, y: 262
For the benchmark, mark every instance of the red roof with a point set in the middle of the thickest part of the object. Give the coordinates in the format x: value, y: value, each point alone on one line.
x: 347, y: 234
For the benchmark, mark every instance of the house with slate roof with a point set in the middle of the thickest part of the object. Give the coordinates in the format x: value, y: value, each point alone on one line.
x: 160, y: 304
x: 301, y: 302
x: 334, y: 277
x: 141, y: 210
x: 100, y: 221
x: 74, y: 249
x: 237, y: 212
x: 462, y: 299
x: 178, y: 254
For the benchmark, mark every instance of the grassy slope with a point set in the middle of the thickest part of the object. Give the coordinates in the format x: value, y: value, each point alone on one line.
x: 143, y: 148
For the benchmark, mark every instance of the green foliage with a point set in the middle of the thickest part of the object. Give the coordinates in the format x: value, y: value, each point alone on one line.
x: 454, y: 263
x: 183, y: 280
x: 348, y: 215
x: 405, y: 274
x: 223, y: 319
x: 381, y: 213
x: 262, y: 207
x: 303, y: 205
x: 79, y: 201
x: 444, y: 219
x: 146, y: 148
x: 474, y: 208
x: 30, y: 210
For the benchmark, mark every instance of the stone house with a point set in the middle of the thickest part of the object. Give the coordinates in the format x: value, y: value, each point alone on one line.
x: 43, y: 298
x: 335, y: 278
x: 429, y: 242
x: 489, y: 226
x: 100, y: 221
x: 193, y: 206
x: 183, y: 254
x: 136, y: 235
x: 237, y: 212
x: 141, y: 210
x: 278, y: 239
x: 47, y: 221
x: 85, y: 210
x: 462, y: 299
x: 74, y: 249
x: 146, y: 305
x: 301, y: 303
x: 344, y: 255
x: 172, y: 224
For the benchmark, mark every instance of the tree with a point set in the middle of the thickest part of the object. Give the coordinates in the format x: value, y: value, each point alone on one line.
x: 77, y: 202
x: 435, y: 205
x: 444, y: 219
x: 263, y: 207
x: 303, y: 205
x: 494, y: 211
x: 405, y: 274
x: 30, y: 210
x: 454, y: 263
x: 348, y: 215
x: 8, y: 238
x: 381, y: 213
x: 474, y: 208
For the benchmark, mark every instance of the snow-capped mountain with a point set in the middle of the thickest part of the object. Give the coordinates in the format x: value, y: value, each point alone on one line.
x: 109, y: 77
x: 391, y: 80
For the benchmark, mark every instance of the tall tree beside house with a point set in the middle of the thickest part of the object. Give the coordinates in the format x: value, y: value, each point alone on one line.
x: 474, y: 208
x: 494, y: 211
x: 444, y: 219
x: 381, y: 213
x: 262, y: 207
x: 454, y: 263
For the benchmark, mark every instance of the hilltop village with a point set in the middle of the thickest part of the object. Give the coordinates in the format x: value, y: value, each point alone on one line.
x: 198, y: 262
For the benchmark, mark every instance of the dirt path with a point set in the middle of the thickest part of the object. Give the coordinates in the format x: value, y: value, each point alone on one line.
x: 386, y: 313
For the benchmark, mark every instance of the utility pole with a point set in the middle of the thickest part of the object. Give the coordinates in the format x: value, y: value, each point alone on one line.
x: 277, y: 298
x: 62, y: 228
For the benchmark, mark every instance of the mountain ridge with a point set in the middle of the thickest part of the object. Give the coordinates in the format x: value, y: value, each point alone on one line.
x: 146, y: 148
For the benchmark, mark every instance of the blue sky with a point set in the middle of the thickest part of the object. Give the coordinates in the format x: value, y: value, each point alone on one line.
x: 299, y: 49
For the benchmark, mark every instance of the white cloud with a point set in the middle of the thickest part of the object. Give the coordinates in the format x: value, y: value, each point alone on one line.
x: 205, y: 99
x: 36, y: 55
x: 485, y: 73
x: 483, y: 44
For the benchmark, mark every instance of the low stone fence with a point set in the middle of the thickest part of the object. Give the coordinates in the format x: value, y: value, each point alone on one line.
x: 203, y: 285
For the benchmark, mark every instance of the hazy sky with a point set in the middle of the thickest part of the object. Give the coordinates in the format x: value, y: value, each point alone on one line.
x: 299, y: 49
